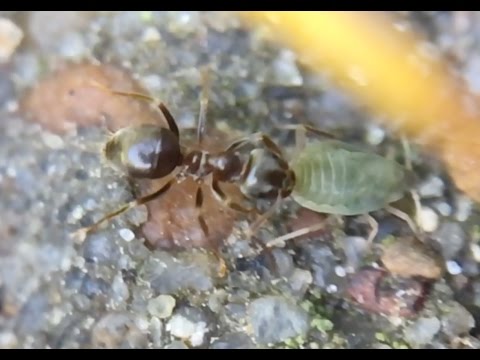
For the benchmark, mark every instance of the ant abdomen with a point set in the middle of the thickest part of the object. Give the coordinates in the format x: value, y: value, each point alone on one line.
x: 144, y: 151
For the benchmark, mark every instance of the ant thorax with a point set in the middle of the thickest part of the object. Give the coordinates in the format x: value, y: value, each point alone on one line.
x: 225, y: 166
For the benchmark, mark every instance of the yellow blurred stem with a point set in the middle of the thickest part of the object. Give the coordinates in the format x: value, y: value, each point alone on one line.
x: 393, y: 71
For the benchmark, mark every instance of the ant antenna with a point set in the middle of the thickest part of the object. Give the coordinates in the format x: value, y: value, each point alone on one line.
x: 204, y: 96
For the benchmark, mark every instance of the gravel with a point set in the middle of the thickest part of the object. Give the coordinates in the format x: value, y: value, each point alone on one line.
x: 112, y: 291
x: 457, y: 321
x: 275, y: 319
x: 422, y: 331
x: 451, y: 239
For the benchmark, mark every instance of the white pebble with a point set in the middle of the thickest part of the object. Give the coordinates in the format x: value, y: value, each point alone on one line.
x: 7, y: 340
x: 375, y: 135
x: 340, y: 271
x: 56, y: 316
x: 475, y: 249
x: 126, y: 234
x: 183, y: 328
x: 464, y: 208
x: 142, y: 323
x: 151, y: 34
x: 453, y: 268
x: 10, y: 37
x: 161, y: 306
x: 443, y: 208
x: 77, y: 213
x: 432, y: 187
x: 52, y: 141
x: 332, y: 288
x: 427, y: 219
x: 90, y: 204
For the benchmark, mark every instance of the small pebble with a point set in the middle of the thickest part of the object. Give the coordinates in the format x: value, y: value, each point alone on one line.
x: 475, y: 249
x: 443, y: 208
x: 427, y: 219
x: 156, y: 332
x: 340, y: 271
x: 432, y: 187
x: 167, y: 274
x: 375, y: 135
x: 332, y: 288
x: 233, y: 341
x: 8, y: 340
x: 126, y: 234
x: 275, y: 319
x: 117, y: 330
x: 10, y: 37
x: 464, y: 208
x: 451, y: 238
x: 161, y: 306
x: 120, y: 292
x: 77, y: 213
x: 408, y: 257
x: 151, y: 34
x: 453, y: 268
x: 285, y: 69
x: 422, y: 331
x: 458, y: 321
x: 177, y: 345
x: 299, y: 281
x: 185, y: 329
x: 52, y: 141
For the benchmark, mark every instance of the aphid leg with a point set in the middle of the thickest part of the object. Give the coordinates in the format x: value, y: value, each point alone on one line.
x: 307, y: 128
x: 373, y: 228
x: 83, y: 232
x: 413, y: 192
x: 301, y: 136
x: 280, y: 240
x: 227, y: 201
x: 403, y: 216
x: 256, y: 139
x: 263, y: 217
x: 204, y: 97
x: 166, y: 113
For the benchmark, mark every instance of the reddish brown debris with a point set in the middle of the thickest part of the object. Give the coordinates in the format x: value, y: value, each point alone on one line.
x: 173, y: 220
x: 376, y: 291
x: 67, y: 99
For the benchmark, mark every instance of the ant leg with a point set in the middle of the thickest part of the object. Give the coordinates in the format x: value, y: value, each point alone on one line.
x: 168, y: 116
x: 83, y: 232
x: 374, y: 229
x: 227, y: 201
x: 198, y: 207
x: 202, y: 116
x: 255, y: 139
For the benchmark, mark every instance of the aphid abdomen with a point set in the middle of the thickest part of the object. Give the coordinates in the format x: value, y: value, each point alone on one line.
x: 335, y: 178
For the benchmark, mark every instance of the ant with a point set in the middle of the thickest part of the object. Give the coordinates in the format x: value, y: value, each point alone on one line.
x: 150, y: 151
